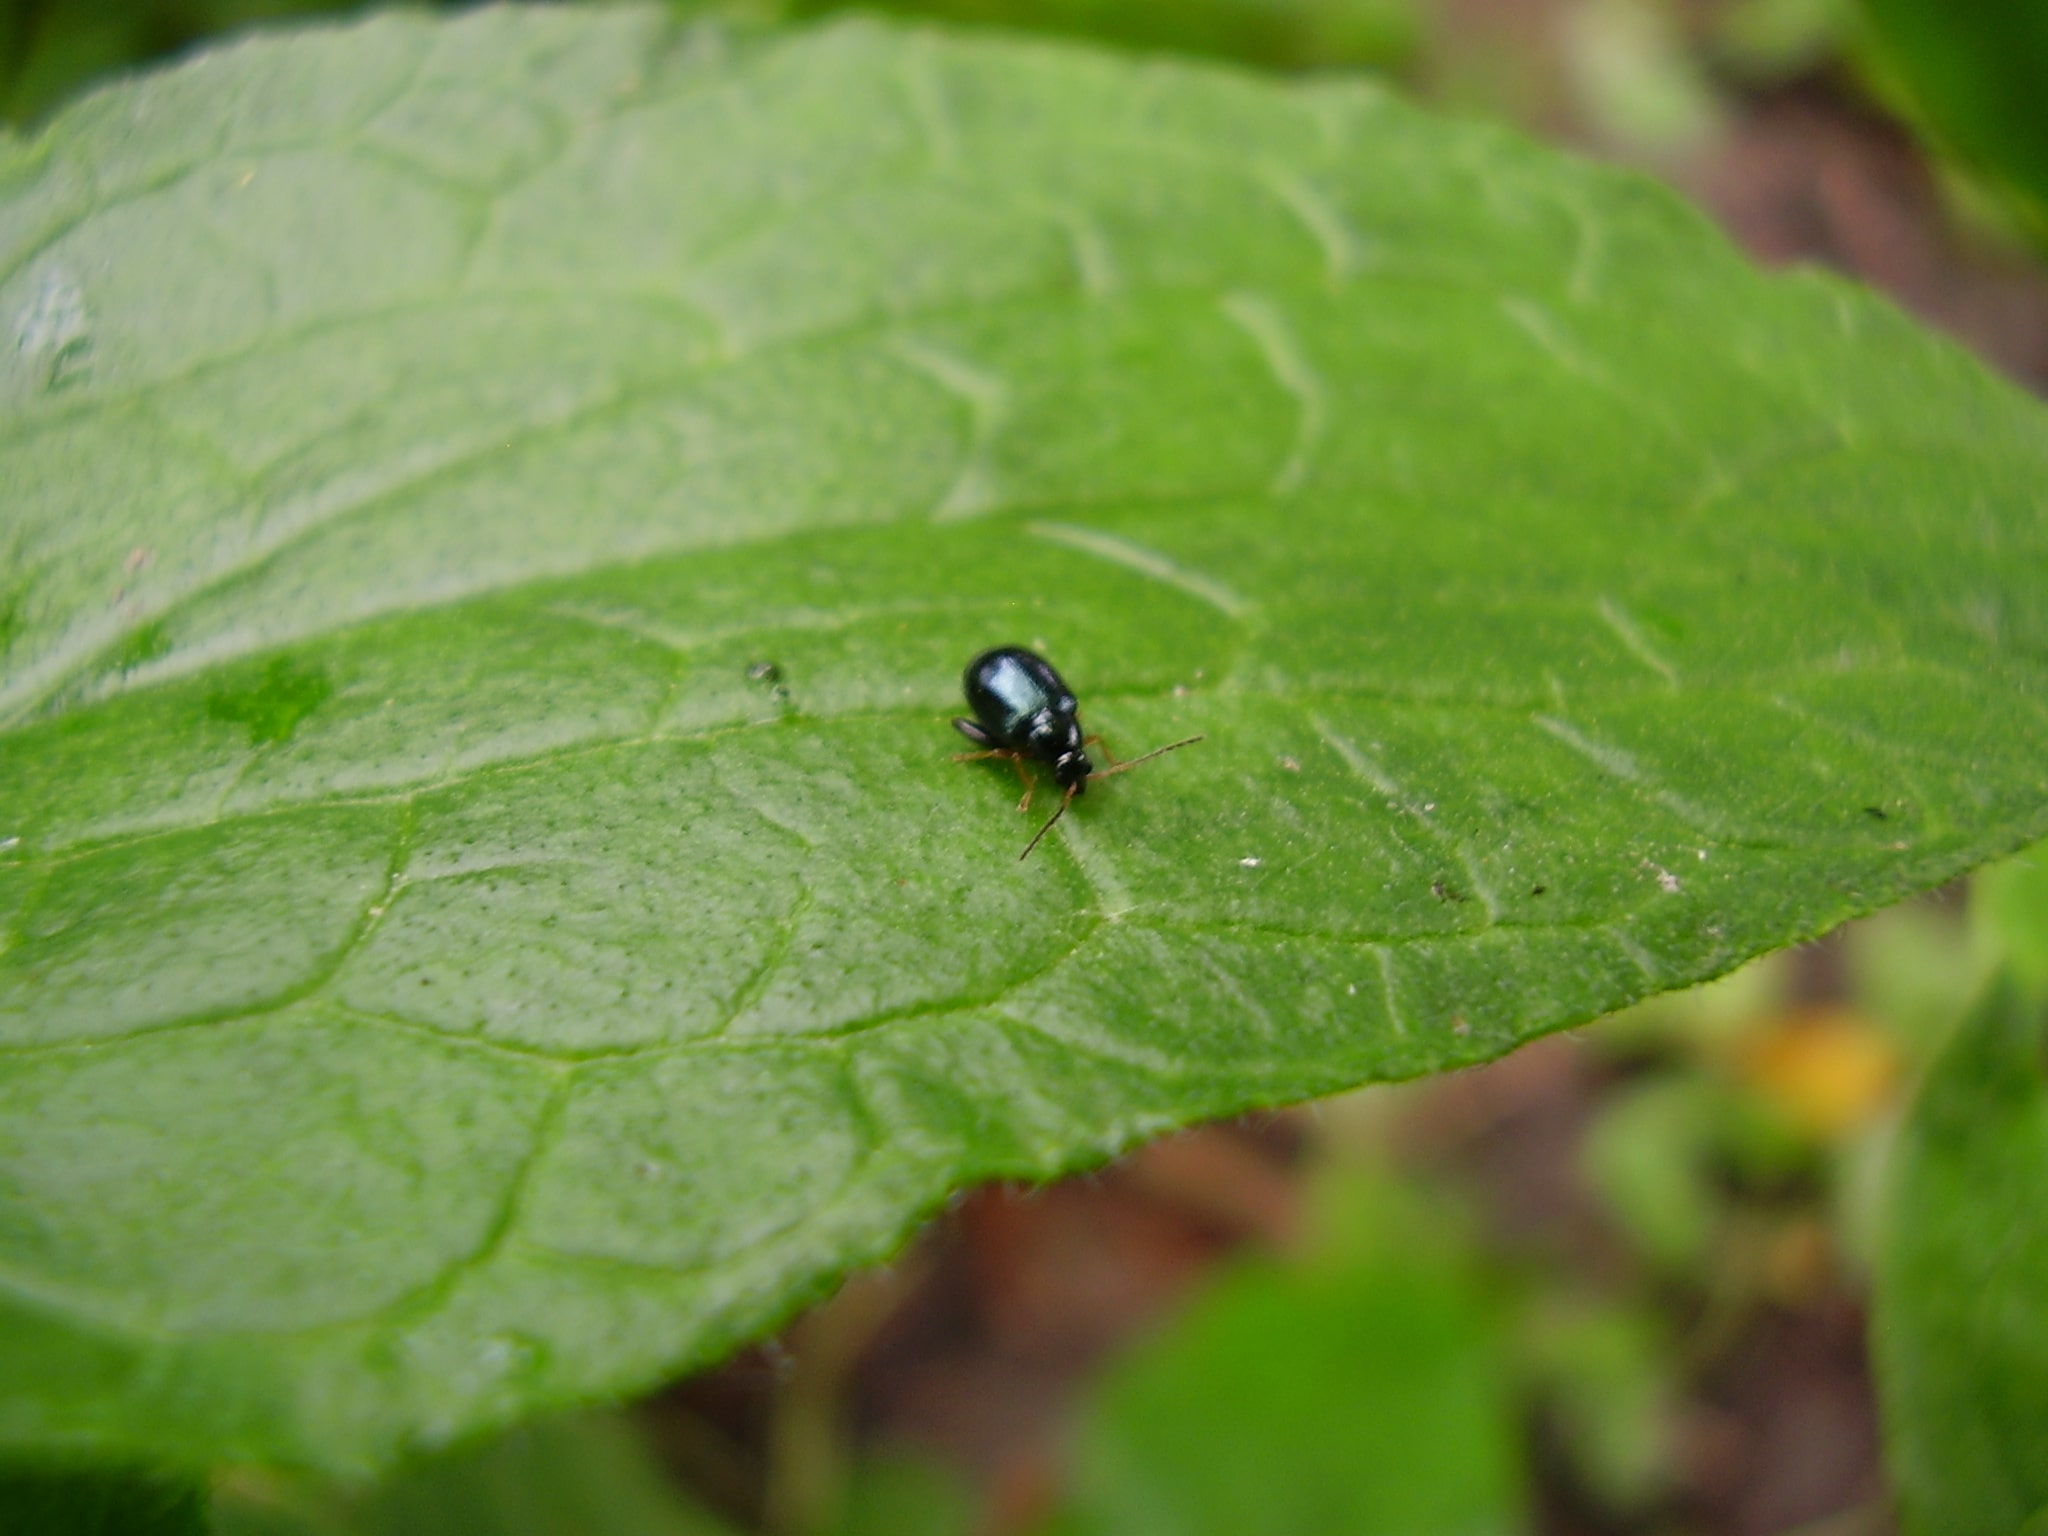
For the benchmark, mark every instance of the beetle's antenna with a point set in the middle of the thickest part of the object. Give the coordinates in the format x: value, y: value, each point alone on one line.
x: 1132, y: 762
x: 1065, y: 800
x: 1074, y: 789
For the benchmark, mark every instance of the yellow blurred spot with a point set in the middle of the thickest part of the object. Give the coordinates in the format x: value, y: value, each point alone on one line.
x: 1828, y: 1071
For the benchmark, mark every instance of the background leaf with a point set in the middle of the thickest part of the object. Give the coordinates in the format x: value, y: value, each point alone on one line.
x: 1960, y: 1344
x: 444, y: 975
x: 592, y: 1474
x: 74, y: 1501
x: 2011, y: 899
x: 1974, y: 71
x: 1365, y: 1392
x: 1289, y: 34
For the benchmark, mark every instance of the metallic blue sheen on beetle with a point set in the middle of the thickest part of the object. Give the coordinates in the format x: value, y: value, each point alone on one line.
x: 1025, y: 712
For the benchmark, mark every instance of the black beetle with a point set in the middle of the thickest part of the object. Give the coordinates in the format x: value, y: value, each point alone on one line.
x: 1025, y: 712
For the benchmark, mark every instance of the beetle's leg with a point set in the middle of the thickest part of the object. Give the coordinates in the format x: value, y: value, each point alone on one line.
x: 1097, y: 741
x: 1030, y: 784
x: 972, y: 730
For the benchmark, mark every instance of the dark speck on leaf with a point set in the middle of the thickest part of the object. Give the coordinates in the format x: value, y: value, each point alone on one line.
x: 769, y: 675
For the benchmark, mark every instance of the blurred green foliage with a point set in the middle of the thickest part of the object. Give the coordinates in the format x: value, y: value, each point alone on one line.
x: 893, y: 1494
x: 1641, y: 86
x: 1603, y: 1374
x: 1279, y: 34
x: 592, y: 1475
x: 1960, y: 1341
x: 1975, y: 75
x: 97, y: 1501
x: 1364, y: 1388
x: 1768, y: 40
x: 2012, y: 901
x: 51, y: 49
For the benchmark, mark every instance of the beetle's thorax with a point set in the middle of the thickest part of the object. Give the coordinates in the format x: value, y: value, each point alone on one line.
x: 1054, y: 738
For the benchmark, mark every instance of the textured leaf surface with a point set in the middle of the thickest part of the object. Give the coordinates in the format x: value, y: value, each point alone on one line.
x: 441, y: 975
x: 1961, y: 1343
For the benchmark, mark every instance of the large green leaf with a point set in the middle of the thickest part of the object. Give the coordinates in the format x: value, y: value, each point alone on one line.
x: 443, y: 975
x: 1961, y: 1340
